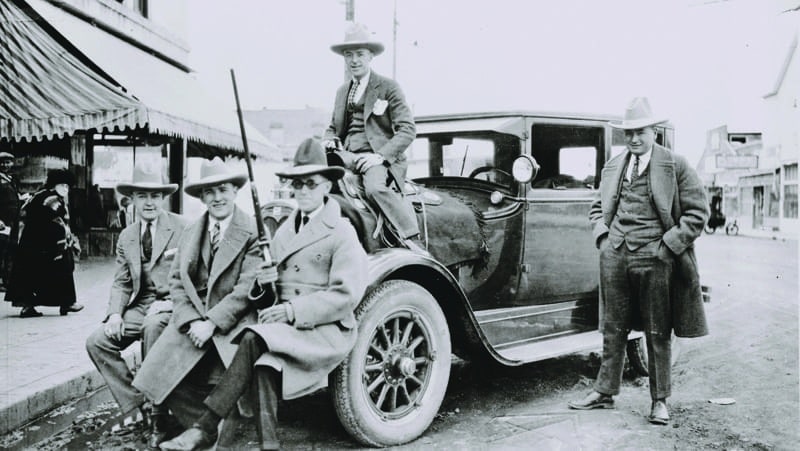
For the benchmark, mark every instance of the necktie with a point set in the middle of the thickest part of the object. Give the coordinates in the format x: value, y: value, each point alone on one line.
x: 635, y: 171
x: 301, y: 220
x: 351, y: 97
x: 147, y: 242
x: 214, y: 238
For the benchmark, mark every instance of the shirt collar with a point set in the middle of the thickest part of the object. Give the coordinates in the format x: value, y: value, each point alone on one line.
x: 314, y: 212
x: 223, y: 225
x: 364, y: 80
x: 153, y: 225
x: 644, y: 160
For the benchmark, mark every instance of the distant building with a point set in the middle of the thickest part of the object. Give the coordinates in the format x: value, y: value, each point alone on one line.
x: 782, y: 135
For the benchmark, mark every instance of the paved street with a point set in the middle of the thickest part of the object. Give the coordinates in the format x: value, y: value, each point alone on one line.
x: 750, y: 356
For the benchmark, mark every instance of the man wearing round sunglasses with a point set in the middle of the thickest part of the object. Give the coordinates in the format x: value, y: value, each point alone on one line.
x: 319, y: 275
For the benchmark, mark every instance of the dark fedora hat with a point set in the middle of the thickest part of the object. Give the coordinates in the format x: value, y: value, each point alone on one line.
x: 310, y: 159
x: 147, y: 178
x: 59, y: 176
x: 212, y: 173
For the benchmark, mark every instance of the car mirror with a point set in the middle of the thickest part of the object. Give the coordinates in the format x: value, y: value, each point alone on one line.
x: 525, y: 168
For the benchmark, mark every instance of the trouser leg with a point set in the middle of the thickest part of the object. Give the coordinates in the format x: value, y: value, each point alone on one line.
x: 105, y: 354
x: 656, y: 315
x: 152, y: 327
x: 268, y: 383
x: 616, y: 300
x: 237, y: 377
x: 186, y: 400
x: 392, y: 204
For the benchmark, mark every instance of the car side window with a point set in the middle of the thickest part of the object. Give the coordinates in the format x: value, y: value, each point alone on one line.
x: 570, y: 155
x: 483, y: 157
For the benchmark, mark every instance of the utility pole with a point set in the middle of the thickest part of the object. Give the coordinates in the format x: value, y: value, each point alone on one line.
x: 394, y: 42
x: 349, y: 16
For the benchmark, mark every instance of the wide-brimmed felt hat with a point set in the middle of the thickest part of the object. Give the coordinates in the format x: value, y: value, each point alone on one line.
x: 356, y: 36
x: 6, y: 156
x: 310, y: 159
x: 59, y: 176
x: 638, y: 114
x: 212, y: 173
x: 147, y: 178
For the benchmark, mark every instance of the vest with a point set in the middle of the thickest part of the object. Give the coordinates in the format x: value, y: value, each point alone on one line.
x: 356, y: 139
x: 636, y: 221
x: 147, y: 292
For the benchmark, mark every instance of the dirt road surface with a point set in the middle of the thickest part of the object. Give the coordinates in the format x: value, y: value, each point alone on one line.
x: 750, y: 357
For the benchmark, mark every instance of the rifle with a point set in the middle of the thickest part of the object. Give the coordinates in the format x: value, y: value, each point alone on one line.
x: 263, y: 239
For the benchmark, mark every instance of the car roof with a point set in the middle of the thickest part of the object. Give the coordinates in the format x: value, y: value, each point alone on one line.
x: 516, y: 113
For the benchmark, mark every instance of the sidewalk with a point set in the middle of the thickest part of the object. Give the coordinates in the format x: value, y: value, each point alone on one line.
x: 43, y: 361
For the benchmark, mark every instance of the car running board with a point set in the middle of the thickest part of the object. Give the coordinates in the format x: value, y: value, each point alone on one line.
x: 554, y: 347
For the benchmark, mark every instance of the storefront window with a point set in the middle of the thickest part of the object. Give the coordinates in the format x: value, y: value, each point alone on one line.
x: 790, y: 201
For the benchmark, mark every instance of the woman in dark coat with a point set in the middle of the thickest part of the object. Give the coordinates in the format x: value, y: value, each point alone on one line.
x: 42, y: 270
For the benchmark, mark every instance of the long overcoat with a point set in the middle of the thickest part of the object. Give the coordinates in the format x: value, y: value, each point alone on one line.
x: 322, y: 272
x: 389, y: 127
x: 226, y: 303
x: 43, y: 266
x: 128, y: 275
x: 680, y: 200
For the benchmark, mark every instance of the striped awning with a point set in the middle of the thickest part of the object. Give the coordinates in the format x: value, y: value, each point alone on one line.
x: 63, y: 76
x: 46, y: 91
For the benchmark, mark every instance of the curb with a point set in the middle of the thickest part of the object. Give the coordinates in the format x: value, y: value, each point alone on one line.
x: 56, y: 393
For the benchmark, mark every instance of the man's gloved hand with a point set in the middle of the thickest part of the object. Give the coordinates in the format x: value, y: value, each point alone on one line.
x: 267, y: 274
x: 114, y: 326
x: 366, y: 161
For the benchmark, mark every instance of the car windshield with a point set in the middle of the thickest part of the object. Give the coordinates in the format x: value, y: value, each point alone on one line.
x: 481, y: 156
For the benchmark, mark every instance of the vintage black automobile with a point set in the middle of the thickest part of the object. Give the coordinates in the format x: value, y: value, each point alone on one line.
x: 512, y: 275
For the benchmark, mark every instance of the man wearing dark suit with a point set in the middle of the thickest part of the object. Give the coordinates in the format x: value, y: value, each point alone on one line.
x: 139, y: 306
x: 651, y: 208
x: 214, y: 268
x: 320, y: 275
x: 374, y: 123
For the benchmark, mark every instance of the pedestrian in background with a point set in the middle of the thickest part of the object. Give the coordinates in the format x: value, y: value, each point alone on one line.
x: 140, y: 304
x: 374, y: 124
x: 42, y: 273
x: 651, y: 207
x: 9, y: 215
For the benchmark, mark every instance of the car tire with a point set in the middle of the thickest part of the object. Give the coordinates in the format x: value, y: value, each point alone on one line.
x: 637, y: 354
x: 387, y: 391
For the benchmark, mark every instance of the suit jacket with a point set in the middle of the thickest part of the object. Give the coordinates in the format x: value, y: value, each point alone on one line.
x: 128, y: 276
x: 322, y: 272
x: 226, y: 303
x: 680, y: 201
x: 389, y: 132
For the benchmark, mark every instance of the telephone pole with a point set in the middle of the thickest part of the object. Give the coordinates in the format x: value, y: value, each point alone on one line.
x: 394, y: 42
x: 349, y: 16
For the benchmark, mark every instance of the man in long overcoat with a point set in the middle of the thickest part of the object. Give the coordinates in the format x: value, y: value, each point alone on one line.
x: 140, y: 305
x: 651, y: 208
x: 373, y: 121
x: 9, y: 215
x: 214, y: 268
x: 321, y: 275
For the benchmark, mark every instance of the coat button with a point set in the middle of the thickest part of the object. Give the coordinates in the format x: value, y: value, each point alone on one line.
x: 296, y: 291
x: 296, y: 268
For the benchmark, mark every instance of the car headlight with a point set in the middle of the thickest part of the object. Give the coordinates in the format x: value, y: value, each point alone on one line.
x: 524, y: 168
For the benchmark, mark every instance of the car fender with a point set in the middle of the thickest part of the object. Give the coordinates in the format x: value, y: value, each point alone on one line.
x: 403, y: 264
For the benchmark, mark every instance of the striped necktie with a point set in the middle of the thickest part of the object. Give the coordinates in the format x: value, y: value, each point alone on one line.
x: 351, y: 97
x: 214, y: 238
x: 635, y: 171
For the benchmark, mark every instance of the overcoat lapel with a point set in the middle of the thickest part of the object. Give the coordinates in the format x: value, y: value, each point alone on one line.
x: 316, y: 229
x: 190, y: 260
x: 610, y: 195
x: 662, y: 184
x: 133, y: 252
x: 231, y: 244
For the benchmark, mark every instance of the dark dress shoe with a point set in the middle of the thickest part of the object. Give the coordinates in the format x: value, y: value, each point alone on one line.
x: 29, y: 312
x: 74, y: 307
x: 593, y: 400
x: 189, y: 440
x: 659, y: 413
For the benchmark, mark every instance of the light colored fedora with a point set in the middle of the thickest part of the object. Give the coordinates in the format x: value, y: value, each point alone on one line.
x: 6, y: 156
x: 212, y: 173
x: 358, y: 37
x: 638, y: 114
x: 146, y: 177
x: 310, y: 159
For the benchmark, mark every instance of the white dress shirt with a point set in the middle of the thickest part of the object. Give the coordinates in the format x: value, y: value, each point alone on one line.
x: 644, y: 160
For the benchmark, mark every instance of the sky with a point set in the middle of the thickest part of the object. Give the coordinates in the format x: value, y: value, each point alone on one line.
x: 702, y: 63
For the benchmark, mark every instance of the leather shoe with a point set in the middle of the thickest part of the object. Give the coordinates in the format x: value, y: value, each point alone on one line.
x: 190, y: 439
x: 658, y: 412
x: 74, y: 307
x: 593, y: 400
x: 163, y: 428
x: 30, y: 312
